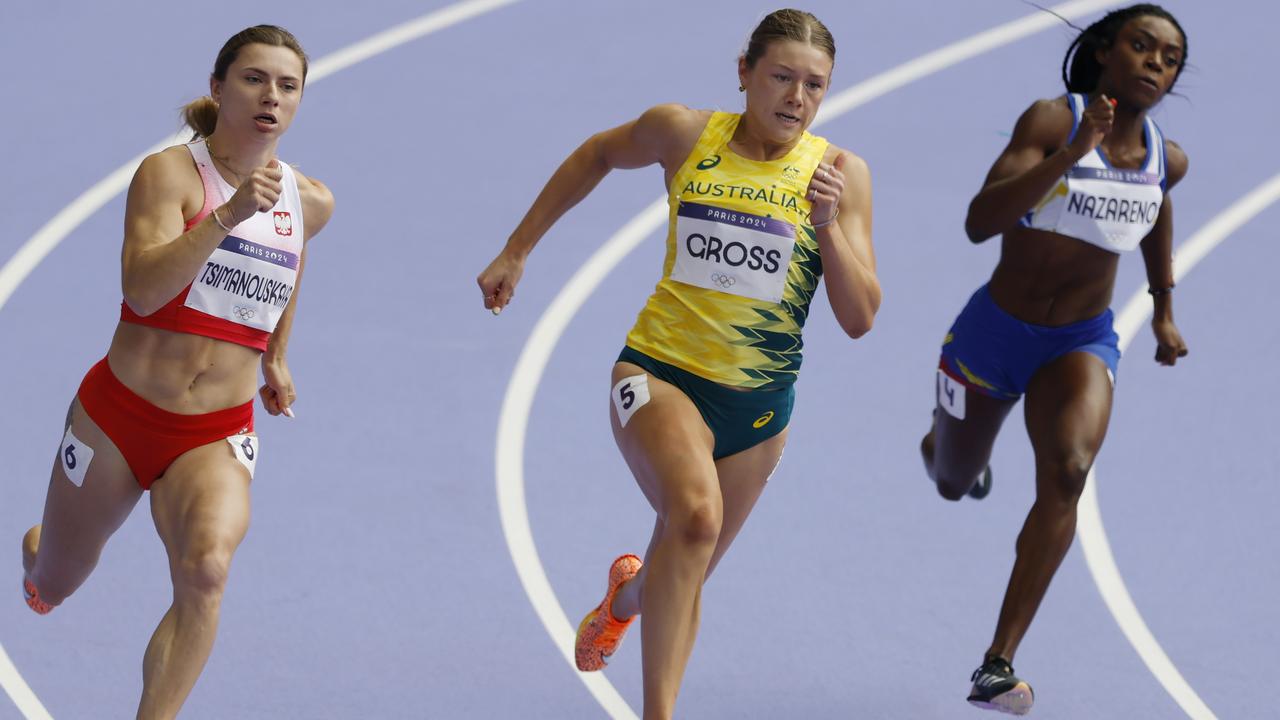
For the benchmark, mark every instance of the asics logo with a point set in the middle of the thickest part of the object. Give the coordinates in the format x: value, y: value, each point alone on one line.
x: 709, y: 162
x: 724, y: 281
x: 762, y: 420
x: 243, y: 313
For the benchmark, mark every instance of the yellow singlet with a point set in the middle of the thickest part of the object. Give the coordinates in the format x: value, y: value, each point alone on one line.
x: 742, y: 264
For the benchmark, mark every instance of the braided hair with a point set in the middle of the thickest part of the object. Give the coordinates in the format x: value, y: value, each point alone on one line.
x: 1080, y: 68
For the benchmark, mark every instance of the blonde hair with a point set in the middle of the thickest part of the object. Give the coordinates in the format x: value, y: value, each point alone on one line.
x: 201, y: 114
x: 789, y: 24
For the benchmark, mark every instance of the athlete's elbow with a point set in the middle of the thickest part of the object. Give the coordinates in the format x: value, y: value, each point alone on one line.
x: 977, y: 224
x: 860, y: 321
x: 595, y: 152
x: 140, y: 305
x: 858, y: 324
x: 856, y: 329
x: 975, y: 229
x: 141, y: 298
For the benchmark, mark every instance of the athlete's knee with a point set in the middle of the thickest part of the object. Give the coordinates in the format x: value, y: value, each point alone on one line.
x: 696, y: 522
x: 954, y: 483
x: 1063, y: 475
x: 203, y: 570
x: 952, y: 490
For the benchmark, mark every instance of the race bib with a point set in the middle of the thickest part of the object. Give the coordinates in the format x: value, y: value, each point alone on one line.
x: 733, y: 252
x: 950, y: 395
x: 1114, y: 209
x: 75, y: 457
x: 245, y: 448
x: 629, y: 395
x: 245, y: 282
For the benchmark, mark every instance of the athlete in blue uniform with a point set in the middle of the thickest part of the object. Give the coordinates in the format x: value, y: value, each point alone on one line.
x: 1085, y: 177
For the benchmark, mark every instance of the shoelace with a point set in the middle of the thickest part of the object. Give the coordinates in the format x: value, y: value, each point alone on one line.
x: 994, y: 666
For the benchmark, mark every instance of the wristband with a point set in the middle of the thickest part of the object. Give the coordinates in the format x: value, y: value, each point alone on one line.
x: 828, y: 220
x: 218, y: 220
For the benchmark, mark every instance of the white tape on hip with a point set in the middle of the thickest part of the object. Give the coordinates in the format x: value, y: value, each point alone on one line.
x: 245, y: 448
x: 76, y: 457
x: 629, y: 395
x: 950, y: 395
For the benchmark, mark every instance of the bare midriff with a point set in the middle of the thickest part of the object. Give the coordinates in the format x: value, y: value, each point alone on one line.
x: 1044, y: 278
x: 183, y: 373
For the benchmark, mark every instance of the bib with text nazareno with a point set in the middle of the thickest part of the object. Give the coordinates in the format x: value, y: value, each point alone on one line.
x: 732, y: 252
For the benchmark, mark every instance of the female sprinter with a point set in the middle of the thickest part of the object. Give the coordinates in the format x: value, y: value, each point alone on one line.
x: 1085, y: 178
x: 214, y: 243
x: 703, y: 389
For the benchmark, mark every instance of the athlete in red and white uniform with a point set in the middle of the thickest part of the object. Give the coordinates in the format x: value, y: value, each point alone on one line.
x: 214, y: 246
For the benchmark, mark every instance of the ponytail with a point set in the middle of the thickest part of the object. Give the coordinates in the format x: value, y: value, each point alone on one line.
x: 201, y: 115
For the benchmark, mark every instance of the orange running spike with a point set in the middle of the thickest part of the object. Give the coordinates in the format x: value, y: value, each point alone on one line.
x: 600, y: 633
x: 33, y: 598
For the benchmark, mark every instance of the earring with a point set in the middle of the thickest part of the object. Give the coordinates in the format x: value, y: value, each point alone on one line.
x: 741, y: 89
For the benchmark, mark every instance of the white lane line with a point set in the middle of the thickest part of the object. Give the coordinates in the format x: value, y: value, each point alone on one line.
x: 516, y: 405
x: 1093, y: 539
x: 72, y: 216
x: 952, y: 54
x: 509, y: 456
x: 401, y: 34
x: 28, y: 704
x: 34, y: 250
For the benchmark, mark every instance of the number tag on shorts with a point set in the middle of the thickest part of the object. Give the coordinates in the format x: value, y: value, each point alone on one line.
x: 629, y: 395
x: 75, y: 457
x: 245, y: 448
x: 733, y: 252
x: 950, y: 395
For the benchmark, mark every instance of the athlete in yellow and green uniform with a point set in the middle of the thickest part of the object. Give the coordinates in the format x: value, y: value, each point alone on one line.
x: 742, y: 264
x: 760, y: 210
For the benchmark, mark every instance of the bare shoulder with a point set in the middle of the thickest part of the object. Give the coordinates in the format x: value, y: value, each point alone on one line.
x: 1176, y: 163
x: 851, y: 162
x: 317, y: 203
x: 168, y: 176
x: 314, y: 193
x: 670, y: 131
x: 172, y: 157
x: 676, y: 116
x: 674, y: 121
x: 171, y: 165
x: 1054, y: 109
x: 1047, y: 123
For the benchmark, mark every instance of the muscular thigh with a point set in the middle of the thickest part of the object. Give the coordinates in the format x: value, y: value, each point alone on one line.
x: 1068, y: 407
x: 664, y: 441
x: 965, y: 424
x: 743, y: 477
x: 203, y: 497
x: 753, y: 465
x: 91, y: 488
